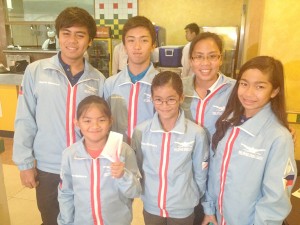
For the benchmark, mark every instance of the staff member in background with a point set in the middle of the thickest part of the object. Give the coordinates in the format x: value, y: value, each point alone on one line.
x: 120, y: 58
x: 52, y: 42
x: 50, y: 92
x: 191, y: 31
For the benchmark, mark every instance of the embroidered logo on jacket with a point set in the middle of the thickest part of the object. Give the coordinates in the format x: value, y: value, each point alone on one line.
x: 147, y: 97
x: 90, y: 89
x: 218, y: 110
x: 289, y: 175
x: 183, y: 146
x: 251, y: 152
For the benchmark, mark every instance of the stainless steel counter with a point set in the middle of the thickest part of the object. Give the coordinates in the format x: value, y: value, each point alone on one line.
x: 10, y: 79
x: 29, y: 50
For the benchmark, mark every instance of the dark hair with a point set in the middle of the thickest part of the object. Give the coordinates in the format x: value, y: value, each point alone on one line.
x: 139, y: 21
x: 168, y: 77
x: 203, y: 36
x: 269, y: 66
x: 193, y: 27
x: 93, y: 100
x: 75, y: 16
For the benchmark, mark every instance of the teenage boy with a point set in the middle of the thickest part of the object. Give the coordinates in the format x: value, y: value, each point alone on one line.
x: 50, y: 91
x: 129, y: 92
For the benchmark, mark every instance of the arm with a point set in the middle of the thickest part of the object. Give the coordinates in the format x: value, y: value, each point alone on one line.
x: 129, y: 183
x: 200, y: 160
x: 25, y: 131
x: 274, y: 205
x: 65, y: 193
x: 185, y: 62
x: 115, y: 60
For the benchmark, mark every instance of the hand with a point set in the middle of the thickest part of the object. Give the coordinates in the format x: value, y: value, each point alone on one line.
x: 209, y: 219
x: 117, y: 169
x: 293, y: 133
x: 28, y: 178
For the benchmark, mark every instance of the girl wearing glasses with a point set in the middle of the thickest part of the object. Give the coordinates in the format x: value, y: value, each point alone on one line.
x: 207, y: 91
x: 252, y: 169
x: 172, y: 153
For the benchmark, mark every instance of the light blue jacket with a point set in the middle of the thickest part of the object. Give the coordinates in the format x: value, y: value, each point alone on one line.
x: 173, y: 166
x: 88, y: 193
x: 130, y: 103
x: 46, y: 109
x: 252, y: 173
x: 206, y: 112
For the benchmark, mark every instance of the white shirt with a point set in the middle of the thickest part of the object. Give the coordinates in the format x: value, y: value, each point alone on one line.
x: 120, y: 57
x: 185, y: 61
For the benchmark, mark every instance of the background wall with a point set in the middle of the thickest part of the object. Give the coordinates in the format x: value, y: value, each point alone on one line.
x: 175, y: 15
x: 280, y: 38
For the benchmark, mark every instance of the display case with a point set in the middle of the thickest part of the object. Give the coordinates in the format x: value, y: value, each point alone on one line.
x: 100, y: 54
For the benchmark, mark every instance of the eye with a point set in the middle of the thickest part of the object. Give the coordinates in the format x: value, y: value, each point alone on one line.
x: 260, y: 87
x: 243, y: 84
x: 213, y: 57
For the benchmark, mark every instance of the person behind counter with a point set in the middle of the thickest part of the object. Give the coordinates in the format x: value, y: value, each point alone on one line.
x: 129, y: 92
x: 252, y: 170
x: 52, y: 42
x: 191, y: 31
x: 49, y: 94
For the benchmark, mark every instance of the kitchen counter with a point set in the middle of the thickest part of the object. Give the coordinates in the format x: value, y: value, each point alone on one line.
x: 11, y: 78
x: 30, y: 50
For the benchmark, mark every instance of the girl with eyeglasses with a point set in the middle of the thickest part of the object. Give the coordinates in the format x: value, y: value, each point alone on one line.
x: 207, y: 91
x: 172, y: 154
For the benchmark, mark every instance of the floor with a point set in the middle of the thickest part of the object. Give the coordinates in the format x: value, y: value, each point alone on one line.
x: 21, y: 201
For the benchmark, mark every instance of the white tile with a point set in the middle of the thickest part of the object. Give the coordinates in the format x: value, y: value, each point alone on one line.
x: 137, y: 208
x: 23, y: 212
x: 12, y: 180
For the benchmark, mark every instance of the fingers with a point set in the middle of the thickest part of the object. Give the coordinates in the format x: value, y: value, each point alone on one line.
x: 117, y: 169
x: 28, y: 178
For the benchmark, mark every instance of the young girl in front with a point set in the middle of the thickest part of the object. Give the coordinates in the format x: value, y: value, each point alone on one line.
x: 99, y: 176
x: 252, y: 170
x: 172, y: 154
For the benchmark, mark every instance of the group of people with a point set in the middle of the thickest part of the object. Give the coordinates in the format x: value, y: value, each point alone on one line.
x: 177, y: 142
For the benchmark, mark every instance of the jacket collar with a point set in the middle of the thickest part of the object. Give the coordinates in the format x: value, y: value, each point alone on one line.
x: 179, y: 126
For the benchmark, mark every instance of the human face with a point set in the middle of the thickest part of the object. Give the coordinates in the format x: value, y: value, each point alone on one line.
x: 73, y: 42
x: 138, y: 45
x: 167, y: 113
x: 206, y: 71
x: 94, y: 126
x: 255, y: 91
x: 189, y: 35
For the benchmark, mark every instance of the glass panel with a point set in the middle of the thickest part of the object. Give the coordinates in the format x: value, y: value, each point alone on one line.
x: 35, y: 10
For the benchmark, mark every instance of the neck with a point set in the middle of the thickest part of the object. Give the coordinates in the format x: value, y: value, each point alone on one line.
x: 94, y: 146
x: 136, y: 69
x: 168, y: 124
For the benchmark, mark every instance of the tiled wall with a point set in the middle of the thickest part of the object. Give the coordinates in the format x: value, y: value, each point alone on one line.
x: 114, y: 13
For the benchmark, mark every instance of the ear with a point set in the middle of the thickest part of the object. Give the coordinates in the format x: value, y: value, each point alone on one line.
x: 90, y: 43
x: 275, y: 92
x: 181, y: 99
x: 76, y: 123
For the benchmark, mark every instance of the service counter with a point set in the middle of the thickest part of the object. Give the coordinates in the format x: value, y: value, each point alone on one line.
x: 11, y: 78
x: 31, y: 54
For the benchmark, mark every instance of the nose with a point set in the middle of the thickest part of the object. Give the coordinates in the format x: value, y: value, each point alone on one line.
x: 205, y: 61
x: 249, y: 91
x: 137, y: 45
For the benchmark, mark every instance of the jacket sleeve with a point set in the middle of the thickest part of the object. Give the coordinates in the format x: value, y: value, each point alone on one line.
x: 129, y: 184
x: 65, y: 193
x: 200, y: 160
x: 279, y: 178
x: 25, y: 124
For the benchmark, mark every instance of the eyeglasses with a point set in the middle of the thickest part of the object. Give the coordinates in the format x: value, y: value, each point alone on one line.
x: 170, y: 101
x: 210, y: 58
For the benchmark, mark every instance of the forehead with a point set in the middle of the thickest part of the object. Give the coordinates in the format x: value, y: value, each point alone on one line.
x: 81, y: 29
x: 207, y: 44
x: 255, y: 75
x: 138, y: 32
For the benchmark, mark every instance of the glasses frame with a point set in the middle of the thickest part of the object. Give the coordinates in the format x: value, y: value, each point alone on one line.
x: 161, y: 102
x: 210, y: 58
